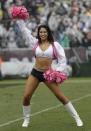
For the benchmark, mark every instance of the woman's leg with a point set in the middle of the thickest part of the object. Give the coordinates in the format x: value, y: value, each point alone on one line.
x: 31, y: 85
x: 68, y: 105
x: 57, y: 92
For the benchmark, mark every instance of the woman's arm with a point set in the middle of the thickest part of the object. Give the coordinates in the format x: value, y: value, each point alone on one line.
x: 61, y: 58
x: 26, y: 34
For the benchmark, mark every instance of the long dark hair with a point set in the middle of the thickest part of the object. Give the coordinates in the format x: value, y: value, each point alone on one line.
x: 50, y: 36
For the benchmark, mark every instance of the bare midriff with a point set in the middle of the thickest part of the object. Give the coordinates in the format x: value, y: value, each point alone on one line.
x: 43, y: 63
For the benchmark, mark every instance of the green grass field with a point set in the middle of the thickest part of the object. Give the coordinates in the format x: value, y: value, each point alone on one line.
x: 48, y: 114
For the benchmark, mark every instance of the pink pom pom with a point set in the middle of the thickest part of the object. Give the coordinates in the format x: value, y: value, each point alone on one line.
x: 54, y: 76
x: 19, y: 12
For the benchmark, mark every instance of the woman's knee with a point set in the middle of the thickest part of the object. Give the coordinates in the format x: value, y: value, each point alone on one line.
x: 63, y: 99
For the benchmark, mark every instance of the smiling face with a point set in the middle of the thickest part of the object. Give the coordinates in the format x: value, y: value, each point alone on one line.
x: 43, y: 34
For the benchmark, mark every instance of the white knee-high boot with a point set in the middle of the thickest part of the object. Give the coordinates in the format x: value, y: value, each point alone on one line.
x: 74, y: 113
x: 26, y: 114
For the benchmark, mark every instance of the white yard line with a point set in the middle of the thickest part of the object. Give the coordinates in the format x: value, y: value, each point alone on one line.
x: 45, y: 110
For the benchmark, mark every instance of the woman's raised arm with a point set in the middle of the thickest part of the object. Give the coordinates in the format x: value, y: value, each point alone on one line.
x: 26, y: 34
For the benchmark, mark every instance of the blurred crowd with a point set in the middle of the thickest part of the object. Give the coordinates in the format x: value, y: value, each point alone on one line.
x: 70, y: 22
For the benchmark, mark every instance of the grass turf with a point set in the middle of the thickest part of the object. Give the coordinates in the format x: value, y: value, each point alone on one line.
x: 48, y: 114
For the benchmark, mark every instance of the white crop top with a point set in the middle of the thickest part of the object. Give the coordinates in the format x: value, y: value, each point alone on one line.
x: 47, y: 53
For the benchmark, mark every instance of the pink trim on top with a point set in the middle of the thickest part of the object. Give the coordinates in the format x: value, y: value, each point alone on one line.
x: 36, y: 45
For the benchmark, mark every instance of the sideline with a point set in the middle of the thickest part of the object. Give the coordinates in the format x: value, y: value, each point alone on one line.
x: 45, y: 110
x: 14, y: 84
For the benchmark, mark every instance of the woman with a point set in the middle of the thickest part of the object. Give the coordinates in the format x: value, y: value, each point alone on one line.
x: 44, y: 55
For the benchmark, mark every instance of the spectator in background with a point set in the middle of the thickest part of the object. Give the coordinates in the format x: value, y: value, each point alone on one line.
x: 76, y: 12
x: 3, y: 42
x: 1, y: 13
x: 74, y: 8
x: 12, y: 44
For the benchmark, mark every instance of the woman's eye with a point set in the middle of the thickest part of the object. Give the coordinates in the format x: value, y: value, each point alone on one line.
x: 43, y: 32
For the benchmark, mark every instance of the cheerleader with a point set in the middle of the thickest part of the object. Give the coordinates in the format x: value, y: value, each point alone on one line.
x: 45, y: 51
